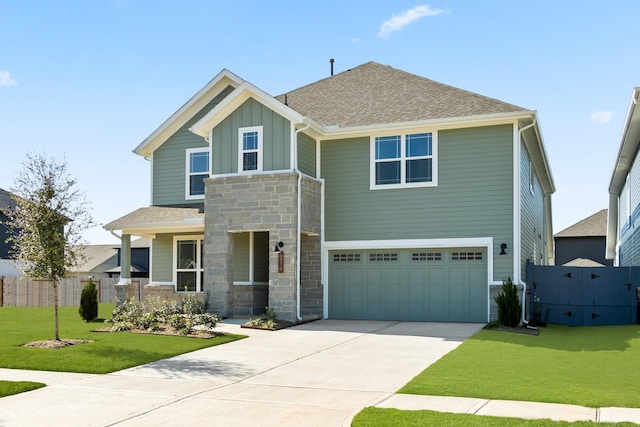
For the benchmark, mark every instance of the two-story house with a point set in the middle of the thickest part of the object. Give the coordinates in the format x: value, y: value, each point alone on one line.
x: 370, y: 194
x: 623, y: 235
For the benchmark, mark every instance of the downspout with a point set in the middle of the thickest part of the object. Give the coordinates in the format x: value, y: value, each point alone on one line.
x: 299, y: 234
x: 524, y: 284
x: 612, y: 228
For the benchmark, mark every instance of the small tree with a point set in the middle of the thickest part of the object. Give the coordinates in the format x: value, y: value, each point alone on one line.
x: 509, y: 308
x: 89, y: 302
x: 50, y: 217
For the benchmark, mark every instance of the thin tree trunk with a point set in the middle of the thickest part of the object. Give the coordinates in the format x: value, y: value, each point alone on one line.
x: 55, y: 308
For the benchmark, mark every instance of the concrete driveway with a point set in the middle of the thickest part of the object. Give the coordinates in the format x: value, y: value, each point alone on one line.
x: 317, y: 374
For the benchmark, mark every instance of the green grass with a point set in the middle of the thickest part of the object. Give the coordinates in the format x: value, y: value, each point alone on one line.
x: 378, y: 417
x: 7, y: 388
x: 588, y: 366
x: 109, y: 352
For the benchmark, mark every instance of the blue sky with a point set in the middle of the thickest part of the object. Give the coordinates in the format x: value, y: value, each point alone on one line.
x: 89, y: 80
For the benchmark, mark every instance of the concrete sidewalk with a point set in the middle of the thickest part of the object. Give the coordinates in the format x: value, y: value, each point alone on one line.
x: 316, y: 374
x: 508, y: 408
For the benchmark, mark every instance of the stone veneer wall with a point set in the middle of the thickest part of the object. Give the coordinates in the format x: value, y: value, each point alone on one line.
x: 250, y: 300
x: 311, y: 290
x: 245, y: 203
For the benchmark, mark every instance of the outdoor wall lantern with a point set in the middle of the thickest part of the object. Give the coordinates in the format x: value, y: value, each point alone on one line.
x: 503, y: 247
x: 278, y: 246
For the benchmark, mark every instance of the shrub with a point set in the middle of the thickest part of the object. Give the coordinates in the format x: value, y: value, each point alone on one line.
x: 509, y: 308
x: 89, y: 302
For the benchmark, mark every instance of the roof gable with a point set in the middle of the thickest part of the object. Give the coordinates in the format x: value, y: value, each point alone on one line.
x: 373, y: 93
x: 593, y: 226
x: 7, y: 201
x: 185, y: 113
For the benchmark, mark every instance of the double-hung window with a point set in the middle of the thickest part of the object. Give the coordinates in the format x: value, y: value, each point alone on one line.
x: 400, y: 161
x: 188, y: 271
x: 197, y: 168
x: 250, y: 149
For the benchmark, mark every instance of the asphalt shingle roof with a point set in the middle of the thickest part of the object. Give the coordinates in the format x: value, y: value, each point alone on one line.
x: 593, y: 226
x: 155, y: 215
x: 6, y: 200
x: 373, y: 93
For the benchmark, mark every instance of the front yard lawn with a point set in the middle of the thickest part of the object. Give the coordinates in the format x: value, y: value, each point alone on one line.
x: 587, y: 366
x: 109, y: 351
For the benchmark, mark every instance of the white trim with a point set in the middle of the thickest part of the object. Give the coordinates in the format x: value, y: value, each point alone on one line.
x: 403, y: 161
x: 251, y: 257
x: 162, y: 284
x: 199, y: 238
x: 241, y: 132
x: 471, y: 242
x: 188, y: 173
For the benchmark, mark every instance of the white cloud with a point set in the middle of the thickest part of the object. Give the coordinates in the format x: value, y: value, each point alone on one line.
x: 398, y: 22
x: 601, y: 117
x: 6, y: 79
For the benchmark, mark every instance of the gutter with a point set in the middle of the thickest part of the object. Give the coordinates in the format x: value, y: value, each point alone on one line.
x: 522, y: 282
x: 299, y: 234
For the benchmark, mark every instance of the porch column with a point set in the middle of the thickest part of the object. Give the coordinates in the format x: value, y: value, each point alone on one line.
x: 125, y: 260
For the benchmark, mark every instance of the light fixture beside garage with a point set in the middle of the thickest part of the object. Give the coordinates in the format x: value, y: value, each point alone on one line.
x: 278, y: 246
x: 503, y: 248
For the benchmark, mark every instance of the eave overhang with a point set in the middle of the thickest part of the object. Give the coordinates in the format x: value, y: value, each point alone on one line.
x: 629, y: 142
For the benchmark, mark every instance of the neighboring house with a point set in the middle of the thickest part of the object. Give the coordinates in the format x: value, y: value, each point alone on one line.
x: 7, y: 203
x: 584, y: 243
x: 370, y: 194
x: 103, y: 261
x: 623, y: 235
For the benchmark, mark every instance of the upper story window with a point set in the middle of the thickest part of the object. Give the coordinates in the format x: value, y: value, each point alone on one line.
x: 197, y: 168
x: 532, y: 177
x: 401, y: 161
x: 250, y: 149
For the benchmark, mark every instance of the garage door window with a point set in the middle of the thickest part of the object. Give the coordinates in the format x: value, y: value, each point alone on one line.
x: 346, y: 257
x: 383, y: 257
x: 426, y: 256
x: 466, y: 256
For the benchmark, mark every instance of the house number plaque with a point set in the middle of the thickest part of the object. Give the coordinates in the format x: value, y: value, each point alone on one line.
x: 280, y: 262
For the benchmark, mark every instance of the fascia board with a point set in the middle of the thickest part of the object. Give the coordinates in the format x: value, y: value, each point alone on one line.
x: 629, y: 141
x: 152, y: 229
x: 181, y: 116
x: 451, y: 122
x: 243, y: 92
x: 539, y: 157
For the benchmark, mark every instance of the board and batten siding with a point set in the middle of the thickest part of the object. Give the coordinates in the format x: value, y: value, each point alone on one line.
x: 473, y: 198
x: 169, y: 160
x: 629, y: 217
x: 307, y: 155
x: 162, y: 258
x: 276, y: 134
x: 532, y: 223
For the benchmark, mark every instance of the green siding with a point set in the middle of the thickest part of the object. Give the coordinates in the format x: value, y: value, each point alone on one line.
x: 241, y: 257
x: 276, y: 138
x: 531, y: 217
x: 307, y: 154
x: 474, y: 196
x: 169, y: 159
x: 162, y: 258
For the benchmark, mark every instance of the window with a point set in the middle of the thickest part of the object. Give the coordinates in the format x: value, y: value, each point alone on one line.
x: 532, y: 177
x: 383, y: 257
x: 400, y: 161
x: 466, y: 256
x: 188, y: 271
x: 426, y: 256
x: 346, y: 257
x: 197, y: 168
x: 250, y: 149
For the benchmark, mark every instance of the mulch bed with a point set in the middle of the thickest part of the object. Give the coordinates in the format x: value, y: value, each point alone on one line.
x: 516, y: 329
x: 55, y: 344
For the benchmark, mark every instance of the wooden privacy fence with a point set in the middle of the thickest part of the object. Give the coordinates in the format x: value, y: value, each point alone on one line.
x: 28, y: 292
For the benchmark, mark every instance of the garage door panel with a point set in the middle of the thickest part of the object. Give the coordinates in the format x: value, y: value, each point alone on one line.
x: 410, y: 284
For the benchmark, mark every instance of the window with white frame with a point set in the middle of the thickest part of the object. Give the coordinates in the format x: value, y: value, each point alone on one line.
x: 532, y: 177
x: 197, y: 168
x: 188, y: 274
x: 400, y: 161
x: 250, y: 149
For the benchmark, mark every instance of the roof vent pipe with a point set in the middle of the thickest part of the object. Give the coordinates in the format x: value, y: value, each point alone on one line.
x: 331, y: 61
